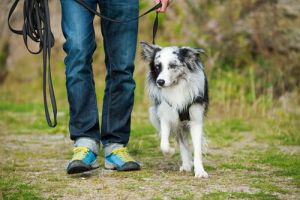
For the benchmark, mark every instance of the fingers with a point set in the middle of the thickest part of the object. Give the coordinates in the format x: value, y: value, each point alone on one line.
x: 165, y: 4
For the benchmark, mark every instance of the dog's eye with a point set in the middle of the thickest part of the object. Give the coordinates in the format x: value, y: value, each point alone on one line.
x: 158, y: 67
x: 172, y: 66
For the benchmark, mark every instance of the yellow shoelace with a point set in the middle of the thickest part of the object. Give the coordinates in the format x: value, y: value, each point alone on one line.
x: 123, y: 154
x: 79, y: 153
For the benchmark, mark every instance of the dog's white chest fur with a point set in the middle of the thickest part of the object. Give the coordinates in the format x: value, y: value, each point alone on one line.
x: 184, y: 93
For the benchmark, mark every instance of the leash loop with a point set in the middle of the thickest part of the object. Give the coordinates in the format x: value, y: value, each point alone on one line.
x: 155, y: 27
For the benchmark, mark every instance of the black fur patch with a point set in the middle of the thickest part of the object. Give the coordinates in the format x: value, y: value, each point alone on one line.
x: 205, y: 99
x: 184, y: 115
x: 154, y: 72
x: 182, y: 55
x: 202, y: 100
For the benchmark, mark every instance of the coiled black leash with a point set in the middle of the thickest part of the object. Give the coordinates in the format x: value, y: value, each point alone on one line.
x: 36, y: 26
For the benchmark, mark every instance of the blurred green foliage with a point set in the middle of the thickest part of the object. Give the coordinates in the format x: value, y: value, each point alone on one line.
x: 241, y: 37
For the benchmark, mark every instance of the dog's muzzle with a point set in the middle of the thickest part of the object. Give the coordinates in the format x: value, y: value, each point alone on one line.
x: 160, y: 82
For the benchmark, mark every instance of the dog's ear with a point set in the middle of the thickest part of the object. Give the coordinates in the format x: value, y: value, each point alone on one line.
x: 190, y: 53
x: 148, y: 50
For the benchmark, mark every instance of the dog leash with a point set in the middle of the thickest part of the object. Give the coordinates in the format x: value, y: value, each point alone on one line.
x: 36, y: 26
x: 155, y: 24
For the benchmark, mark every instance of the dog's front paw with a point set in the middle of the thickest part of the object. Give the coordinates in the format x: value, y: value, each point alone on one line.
x: 168, y: 151
x: 201, y: 174
x: 185, y: 168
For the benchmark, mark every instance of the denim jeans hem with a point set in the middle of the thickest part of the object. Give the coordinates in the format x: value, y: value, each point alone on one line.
x: 110, y: 147
x: 88, y: 143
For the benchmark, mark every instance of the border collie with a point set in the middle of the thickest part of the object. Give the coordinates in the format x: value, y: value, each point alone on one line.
x: 178, y: 88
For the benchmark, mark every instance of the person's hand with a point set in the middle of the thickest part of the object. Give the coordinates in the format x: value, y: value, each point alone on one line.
x: 165, y: 4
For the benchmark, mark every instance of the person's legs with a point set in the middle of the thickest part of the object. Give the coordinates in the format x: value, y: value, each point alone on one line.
x: 120, y: 46
x: 77, y: 25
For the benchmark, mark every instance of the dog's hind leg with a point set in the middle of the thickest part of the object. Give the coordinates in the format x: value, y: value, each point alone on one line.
x: 196, y: 129
x: 186, y: 156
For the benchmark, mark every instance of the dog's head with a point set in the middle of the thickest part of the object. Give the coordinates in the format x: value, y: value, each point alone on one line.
x: 168, y: 65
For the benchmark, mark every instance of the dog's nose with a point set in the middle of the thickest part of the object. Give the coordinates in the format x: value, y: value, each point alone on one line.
x: 160, y: 82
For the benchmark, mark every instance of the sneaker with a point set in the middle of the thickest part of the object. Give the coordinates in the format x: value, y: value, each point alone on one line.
x: 83, y: 160
x: 120, y: 160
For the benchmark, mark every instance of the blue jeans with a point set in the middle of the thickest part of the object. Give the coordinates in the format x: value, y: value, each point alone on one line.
x: 120, y: 47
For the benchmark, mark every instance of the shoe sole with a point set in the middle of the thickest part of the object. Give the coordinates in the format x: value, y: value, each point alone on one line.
x: 129, y: 166
x: 78, y: 166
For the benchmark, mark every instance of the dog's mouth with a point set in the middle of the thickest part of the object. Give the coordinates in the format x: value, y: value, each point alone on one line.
x: 160, y: 86
x: 174, y: 83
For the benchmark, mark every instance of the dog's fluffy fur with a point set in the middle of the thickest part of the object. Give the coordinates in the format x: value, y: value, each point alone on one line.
x: 178, y: 88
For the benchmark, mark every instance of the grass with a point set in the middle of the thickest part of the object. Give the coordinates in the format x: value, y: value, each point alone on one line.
x: 285, y: 164
x: 269, y: 187
x: 285, y: 131
x: 19, y: 108
x: 239, y: 195
x: 13, y: 188
x: 231, y: 129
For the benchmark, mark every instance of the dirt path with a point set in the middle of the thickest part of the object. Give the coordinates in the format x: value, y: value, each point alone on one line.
x: 38, y: 159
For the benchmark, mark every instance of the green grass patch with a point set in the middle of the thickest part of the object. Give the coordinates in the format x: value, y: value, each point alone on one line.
x: 29, y: 117
x: 233, y: 166
x: 238, y: 195
x: 282, y: 127
x: 14, y: 188
x: 142, y: 129
x: 266, y: 186
x: 188, y: 196
x: 30, y: 122
x: 227, y: 131
x: 287, y: 164
x: 19, y: 108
